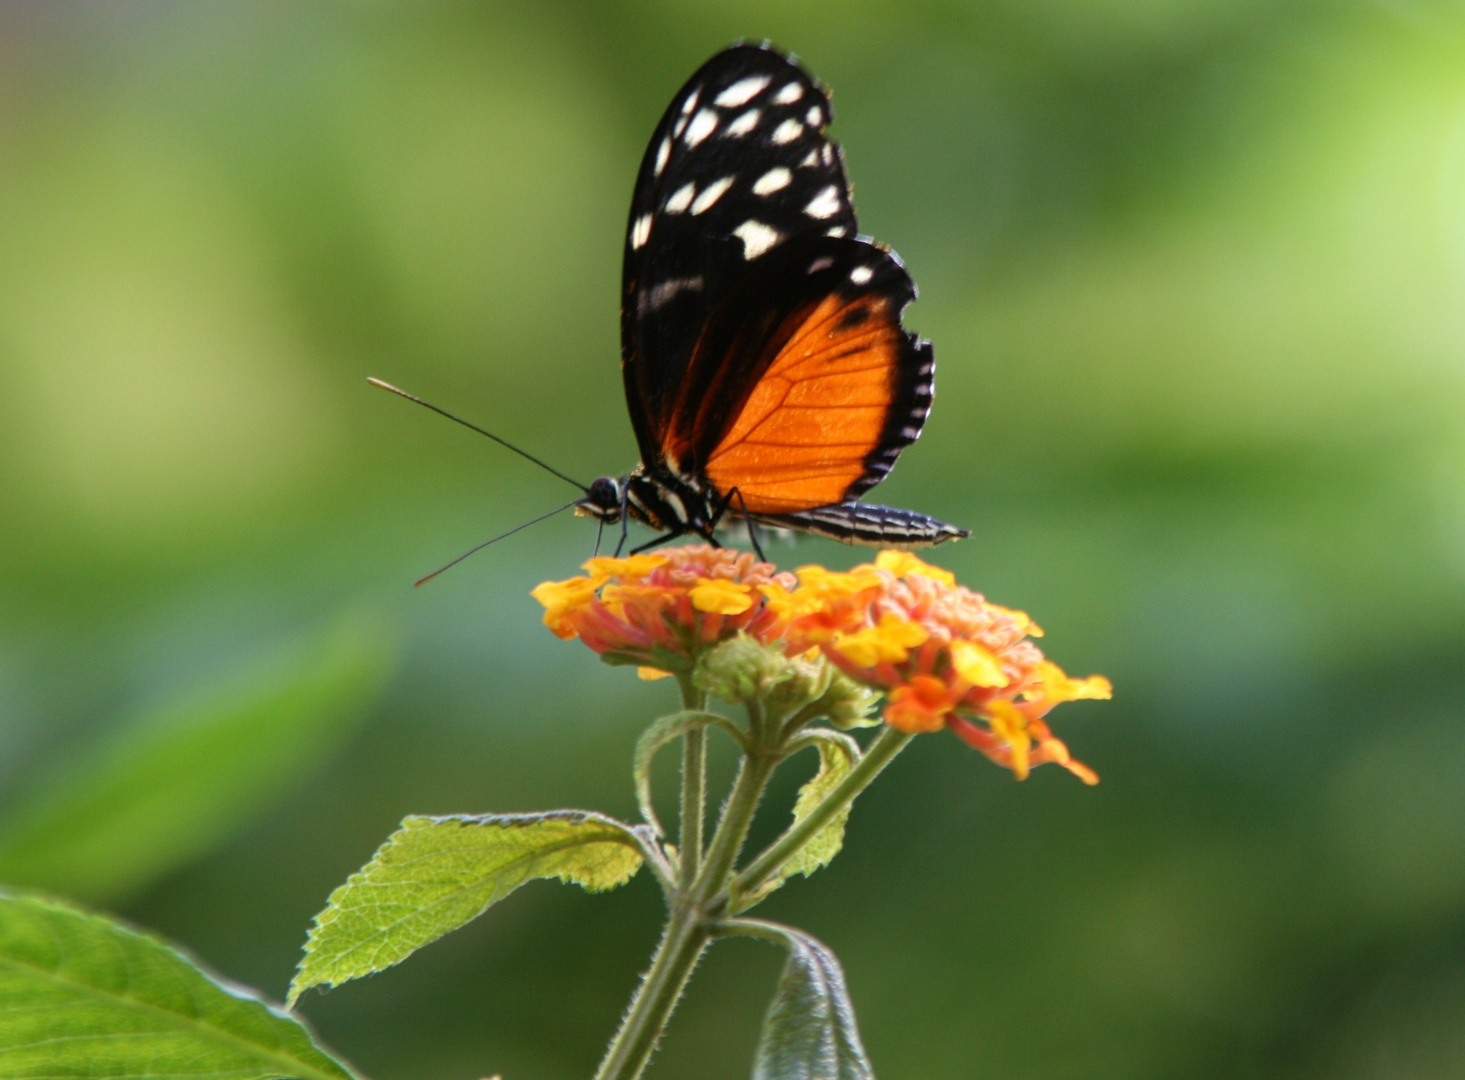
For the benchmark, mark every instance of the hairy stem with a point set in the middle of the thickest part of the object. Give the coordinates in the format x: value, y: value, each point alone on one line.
x: 681, y: 946
x: 707, y: 887
x: 881, y: 752
x: 694, y: 787
x: 727, y: 842
x: 689, y: 927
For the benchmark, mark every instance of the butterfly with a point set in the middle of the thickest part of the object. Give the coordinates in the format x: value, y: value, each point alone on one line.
x: 767, y: 373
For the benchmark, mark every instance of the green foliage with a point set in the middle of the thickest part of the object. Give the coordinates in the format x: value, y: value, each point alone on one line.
x: 437, y: 873
x: 809, y: 1032
x: 83, y: 996
x: 837, y: 756
x: 1193, y: 271
x: 172, y: 785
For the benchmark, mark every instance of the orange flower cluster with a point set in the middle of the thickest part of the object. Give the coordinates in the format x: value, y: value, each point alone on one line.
x: 943, y: 655
x: 659, y: 609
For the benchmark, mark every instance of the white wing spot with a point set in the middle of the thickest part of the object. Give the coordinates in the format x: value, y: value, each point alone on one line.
x: 681, y: 198
x: 742, y: 91
x: 773, y: 180
x: 743, y: 124
x: 811, y: 160
x: 910, y: 433
x: 661, y: 295
x: 787, y: 132
x: 861, y: 275
x: 702, y: 125
x: 827, y: 153
x: 838, y: 230
x: 711, y: 194
x: 756, y: 237
x: 825, y: 204
x: 640, y: 232
x: 663, y: 153
x: 691, y: 102
x: 824, y: 262
x: 789, y: 94
x: 681, y: 124
x: 815, y: 116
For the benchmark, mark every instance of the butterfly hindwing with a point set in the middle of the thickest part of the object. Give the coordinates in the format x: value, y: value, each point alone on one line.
x: 738, y: 168
x: 804, y: 387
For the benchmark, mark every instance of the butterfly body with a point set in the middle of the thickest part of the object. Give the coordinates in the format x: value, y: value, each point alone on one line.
x: 667, y: 504
x: 767, y: 373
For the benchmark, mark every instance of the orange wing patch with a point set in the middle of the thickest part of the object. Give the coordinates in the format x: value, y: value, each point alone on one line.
x: 818, y: 411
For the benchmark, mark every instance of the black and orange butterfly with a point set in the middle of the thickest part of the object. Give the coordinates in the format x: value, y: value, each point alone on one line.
x: 766, y: 369
x: 767, y: 373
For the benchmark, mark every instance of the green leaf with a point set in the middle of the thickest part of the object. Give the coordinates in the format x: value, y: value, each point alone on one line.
x: 437, y: 873
x: 82, y: 996
x: 658, y: 735
x: 810, y: 1031
x: 174, y: 784
x: 838, y: 754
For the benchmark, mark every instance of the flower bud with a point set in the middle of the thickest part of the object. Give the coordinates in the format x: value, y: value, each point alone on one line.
x: 743, y: 669
x: 846, y: 703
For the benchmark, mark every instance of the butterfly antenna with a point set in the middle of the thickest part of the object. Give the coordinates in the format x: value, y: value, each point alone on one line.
x: 479, y: 547
x: 474, y: 427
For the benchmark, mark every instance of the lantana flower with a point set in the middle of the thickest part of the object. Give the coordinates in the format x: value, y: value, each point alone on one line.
x: 945, y: 657
x: 660, y: 609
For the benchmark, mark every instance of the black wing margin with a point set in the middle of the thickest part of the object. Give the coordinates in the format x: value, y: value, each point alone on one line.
x: 738, y: 166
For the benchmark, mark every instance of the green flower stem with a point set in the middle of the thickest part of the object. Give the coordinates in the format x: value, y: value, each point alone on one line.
x: 727, y: 843
x: 689, y: 928
x: 694, y: 786
x: 708, y: 888
x: 881, y: 752
x: 681, y: 947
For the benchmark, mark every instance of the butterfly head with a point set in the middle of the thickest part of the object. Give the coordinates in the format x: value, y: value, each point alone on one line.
x: 603, y: 500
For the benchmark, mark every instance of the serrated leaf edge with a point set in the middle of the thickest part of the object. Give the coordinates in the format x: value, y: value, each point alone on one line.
x: 830, y: 749
x: 331, y: 912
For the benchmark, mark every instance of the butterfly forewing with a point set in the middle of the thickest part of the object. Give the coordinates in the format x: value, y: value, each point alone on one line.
x: 738, y: 169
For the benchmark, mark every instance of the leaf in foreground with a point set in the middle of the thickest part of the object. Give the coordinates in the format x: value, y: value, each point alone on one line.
x: 835, y: 763
x: 82, y: 996
x: 436, y: 873
x: 177, y: 781
x: 810, y: 1031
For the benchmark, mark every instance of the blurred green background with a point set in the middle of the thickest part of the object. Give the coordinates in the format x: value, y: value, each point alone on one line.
x: 1195, y: 272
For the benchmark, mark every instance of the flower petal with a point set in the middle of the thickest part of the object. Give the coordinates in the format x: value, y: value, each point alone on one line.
x: 888, y: 642
x: 976, y: 664
x: 562, y: 599
x: 1010, y: 725
x: 721, y: 597
x: 633, y: 566
x: 901, y: 563
x: 920, y: 705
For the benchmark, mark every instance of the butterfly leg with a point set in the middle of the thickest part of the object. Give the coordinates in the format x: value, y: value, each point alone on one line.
x: 752, y: 529
x: 599, y: 533
x: 625, y: 522
x: 743, y: 507
x: 656, y: 542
